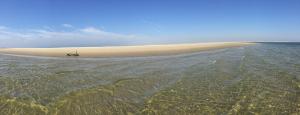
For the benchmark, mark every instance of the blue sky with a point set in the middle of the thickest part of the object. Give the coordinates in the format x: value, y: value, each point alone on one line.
x: 54, y: 23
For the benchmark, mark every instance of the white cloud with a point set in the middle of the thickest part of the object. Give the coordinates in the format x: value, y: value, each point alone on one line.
x: 98, y: 32
x: 67, y: 25
x: 89, y: 36
x: 92, y: 30
x: 3, y: 27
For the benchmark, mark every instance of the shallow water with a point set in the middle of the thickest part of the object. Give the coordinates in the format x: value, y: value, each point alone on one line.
x: 258, y: 79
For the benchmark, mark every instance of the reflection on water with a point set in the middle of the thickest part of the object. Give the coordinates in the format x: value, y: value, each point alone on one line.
x: 259, y: 79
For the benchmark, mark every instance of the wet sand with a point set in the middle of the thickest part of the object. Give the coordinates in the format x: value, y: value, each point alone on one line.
x: 123, y: 51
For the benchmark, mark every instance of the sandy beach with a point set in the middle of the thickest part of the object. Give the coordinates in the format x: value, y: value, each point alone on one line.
x: 123, y: 51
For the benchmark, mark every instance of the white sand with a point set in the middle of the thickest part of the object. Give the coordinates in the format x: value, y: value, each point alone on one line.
x: 123, y: 51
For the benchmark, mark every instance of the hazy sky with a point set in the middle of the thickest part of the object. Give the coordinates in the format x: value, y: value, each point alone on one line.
x: 62, y: 23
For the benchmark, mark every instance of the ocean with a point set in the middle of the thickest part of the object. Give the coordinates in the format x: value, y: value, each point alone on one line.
x: 256, y: 79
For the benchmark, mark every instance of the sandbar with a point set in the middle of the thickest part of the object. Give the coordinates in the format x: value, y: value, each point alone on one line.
x: 123, y: 51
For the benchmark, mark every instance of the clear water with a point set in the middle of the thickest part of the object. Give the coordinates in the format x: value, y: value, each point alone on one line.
x: 258, y: 79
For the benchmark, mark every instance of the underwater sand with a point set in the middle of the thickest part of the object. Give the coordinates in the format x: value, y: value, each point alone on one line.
x: 256, y: 79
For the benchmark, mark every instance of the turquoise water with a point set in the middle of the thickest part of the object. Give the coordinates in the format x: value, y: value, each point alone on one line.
x: 259, y: 79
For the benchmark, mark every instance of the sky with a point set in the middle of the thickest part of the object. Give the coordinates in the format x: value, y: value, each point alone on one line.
x: 72, y: 23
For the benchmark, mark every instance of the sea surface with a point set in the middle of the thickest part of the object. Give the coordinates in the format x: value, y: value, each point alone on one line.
x: 257, y: 79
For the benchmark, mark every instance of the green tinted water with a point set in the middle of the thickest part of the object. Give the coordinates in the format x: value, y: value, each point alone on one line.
x: 259, y: 79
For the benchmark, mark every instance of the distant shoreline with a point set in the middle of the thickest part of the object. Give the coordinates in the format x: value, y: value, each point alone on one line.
x: 123, y: 51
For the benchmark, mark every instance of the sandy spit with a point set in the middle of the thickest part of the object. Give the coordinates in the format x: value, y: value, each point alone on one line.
x: 123, y: 51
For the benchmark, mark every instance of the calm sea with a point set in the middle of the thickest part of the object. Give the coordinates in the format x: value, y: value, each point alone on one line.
x: 258, y: 79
